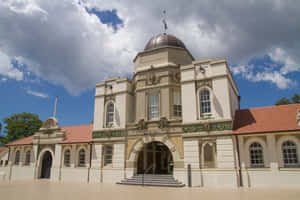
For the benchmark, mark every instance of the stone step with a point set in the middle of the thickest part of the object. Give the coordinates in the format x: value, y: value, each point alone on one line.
x: 152, y: 180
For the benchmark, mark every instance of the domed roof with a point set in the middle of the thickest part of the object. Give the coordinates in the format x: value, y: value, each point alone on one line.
x: 164, y: 40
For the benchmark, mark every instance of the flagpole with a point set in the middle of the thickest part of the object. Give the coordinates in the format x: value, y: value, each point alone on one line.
x: 55, y: 106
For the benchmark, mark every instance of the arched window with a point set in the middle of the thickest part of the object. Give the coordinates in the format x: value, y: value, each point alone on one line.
x: 289, y: 152
x: 205, y: 107
x: 256, y: 155
x: 27, y: 157
x: 17, y: 158
x: 81, y: 158
x: 67, y: 156
x: 110, y: 111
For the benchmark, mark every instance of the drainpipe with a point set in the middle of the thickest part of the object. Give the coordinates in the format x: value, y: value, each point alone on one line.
x: 90, y: 164
x: 239, y: 161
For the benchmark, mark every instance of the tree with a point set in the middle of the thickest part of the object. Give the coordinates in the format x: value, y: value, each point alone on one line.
x: 20, y: 125
x: 282, y: 101
x: 296, y: 98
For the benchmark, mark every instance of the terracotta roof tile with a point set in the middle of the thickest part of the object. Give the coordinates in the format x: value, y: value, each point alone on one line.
x: 266, y: 119
x: 77, y: 134
x: 74, y: 134
x: 23, y: 141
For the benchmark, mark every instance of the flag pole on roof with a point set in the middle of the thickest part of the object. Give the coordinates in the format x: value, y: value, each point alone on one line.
x: 54, y: 113
x: 164, y: 21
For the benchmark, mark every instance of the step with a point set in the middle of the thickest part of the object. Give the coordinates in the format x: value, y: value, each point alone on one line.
x: 152, y: 180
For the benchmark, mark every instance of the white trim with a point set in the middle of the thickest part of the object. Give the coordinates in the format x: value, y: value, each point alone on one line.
x: 211, y: 96
x: 105, y: 114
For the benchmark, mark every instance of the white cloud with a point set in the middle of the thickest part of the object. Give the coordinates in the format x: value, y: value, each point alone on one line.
x: 7, y: 69
x: 62, y: 43
x: 35, y: 93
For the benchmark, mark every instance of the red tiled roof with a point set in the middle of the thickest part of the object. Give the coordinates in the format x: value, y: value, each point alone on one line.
x: 2, y: 149
x: 23, y: 141
x: 266, y: 119
x: 74, y: 134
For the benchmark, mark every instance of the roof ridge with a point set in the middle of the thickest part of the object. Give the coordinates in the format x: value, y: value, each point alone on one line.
x: 273, y: 106
x: 76, y: 125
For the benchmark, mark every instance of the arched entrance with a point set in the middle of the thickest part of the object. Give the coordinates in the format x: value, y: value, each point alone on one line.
x: 46, y: 165
x: 155, y: 158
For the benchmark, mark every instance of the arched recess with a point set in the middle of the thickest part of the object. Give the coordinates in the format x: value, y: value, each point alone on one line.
x: 138, y: 146
x: 41, y: 158
x: 265, y: 150
x: 283, y: 139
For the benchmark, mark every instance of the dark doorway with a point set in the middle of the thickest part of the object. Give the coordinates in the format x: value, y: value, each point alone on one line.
x: 46, y: 165
x: 155, y: 158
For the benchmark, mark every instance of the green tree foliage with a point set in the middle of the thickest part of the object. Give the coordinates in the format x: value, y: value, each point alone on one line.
x: 20, y: 125
x: 296, y: 98
x: 284, y: 100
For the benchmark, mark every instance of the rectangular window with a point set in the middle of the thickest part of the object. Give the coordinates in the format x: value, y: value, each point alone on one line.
x: 153, y: 107
x: 108, y: 153
x: 177, y: 104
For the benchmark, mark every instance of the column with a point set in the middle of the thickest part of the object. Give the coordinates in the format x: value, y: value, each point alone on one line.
x: 55, y: 170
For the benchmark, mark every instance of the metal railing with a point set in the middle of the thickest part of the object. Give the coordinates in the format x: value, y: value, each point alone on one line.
x: 146, y: 171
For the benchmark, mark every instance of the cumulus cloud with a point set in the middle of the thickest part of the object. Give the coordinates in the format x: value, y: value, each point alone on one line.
x: 63, y: 43
x: 35, y: 93
x: 8, y: 70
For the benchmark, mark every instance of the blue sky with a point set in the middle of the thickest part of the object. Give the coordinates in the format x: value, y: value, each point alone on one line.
x: 63, y: 48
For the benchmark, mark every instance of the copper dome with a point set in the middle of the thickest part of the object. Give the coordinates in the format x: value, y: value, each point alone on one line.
x: 163, y: 40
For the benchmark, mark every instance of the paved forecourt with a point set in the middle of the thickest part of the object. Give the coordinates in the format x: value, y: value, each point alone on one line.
x: 43, y: 189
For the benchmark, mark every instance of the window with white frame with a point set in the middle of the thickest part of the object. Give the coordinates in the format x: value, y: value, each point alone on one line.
x: 256, y: 155
x: 27, y: 158
x: 110, y: 112
x: 289, y: 153
x: 67, y: 158
x: 17, y: 158
x: 108, y: 153
x: 205, y: 104
x: 153, y: 106
x: 177, y: 103
x: 81, y: 158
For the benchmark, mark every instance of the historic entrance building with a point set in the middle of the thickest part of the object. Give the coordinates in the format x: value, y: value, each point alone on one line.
x: 176, y: 122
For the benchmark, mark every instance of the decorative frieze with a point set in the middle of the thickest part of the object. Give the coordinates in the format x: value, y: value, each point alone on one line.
x: 203, y: 83
x: 220, y: 126
x: 104, y: 134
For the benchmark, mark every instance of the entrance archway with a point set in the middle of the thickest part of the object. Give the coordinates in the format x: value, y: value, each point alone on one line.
x: 155, y: 158
x: 46, y: 165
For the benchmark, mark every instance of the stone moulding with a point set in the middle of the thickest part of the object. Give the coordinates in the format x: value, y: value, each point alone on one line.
x: 220, y: 126
x: 104, y: 134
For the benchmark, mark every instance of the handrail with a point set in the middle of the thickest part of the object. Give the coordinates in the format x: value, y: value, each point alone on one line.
x: 146, y: 171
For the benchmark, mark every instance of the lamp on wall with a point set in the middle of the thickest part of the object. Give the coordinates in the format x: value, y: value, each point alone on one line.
x: 201, y: 69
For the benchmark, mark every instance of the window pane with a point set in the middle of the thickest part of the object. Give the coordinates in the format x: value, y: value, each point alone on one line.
x: 177, y: 104
x: 256, y: 155
x: 290, y: 157
x: 108, y: 151
x: 205, y: 102
x: 27, y: 158
x: 153, y: 106
x: 81, y: 158
x: 67, y: 158
x: 17, y: 159
x: 110, y: 114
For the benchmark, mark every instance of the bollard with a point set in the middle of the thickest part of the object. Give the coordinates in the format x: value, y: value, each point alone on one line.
x: 189, y: 171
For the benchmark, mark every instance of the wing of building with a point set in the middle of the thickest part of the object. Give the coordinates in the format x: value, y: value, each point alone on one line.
x: 176, y: 122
